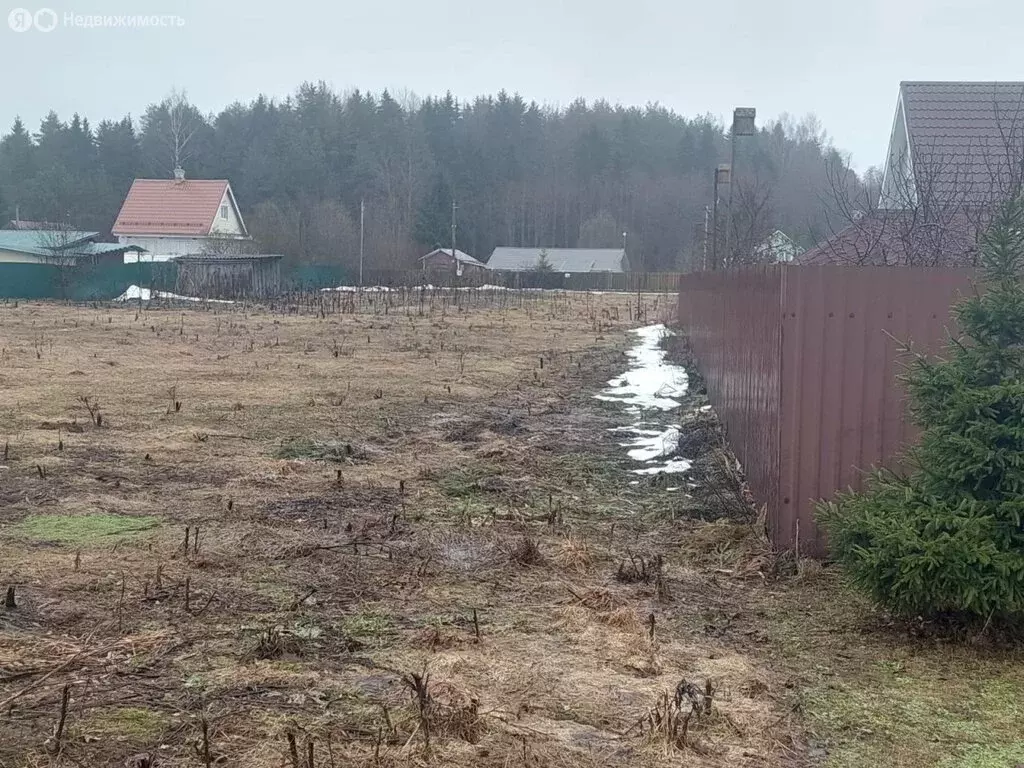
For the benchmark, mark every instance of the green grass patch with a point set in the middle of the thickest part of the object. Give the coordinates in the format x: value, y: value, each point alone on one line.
x: 882, y: 699
x: 467, y: 482
x: 922, y: 717
x: 134, y: 723
x: 317, y: 450
x: 370, y: 628
x: 81, y: 529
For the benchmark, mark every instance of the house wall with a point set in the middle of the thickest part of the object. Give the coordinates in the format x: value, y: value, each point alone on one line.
x: 443, y: 262
x: 897, y: 177
x: 168, y: 246
x: 439, y: 261
x: 232, y: 225
x: 13, y: 257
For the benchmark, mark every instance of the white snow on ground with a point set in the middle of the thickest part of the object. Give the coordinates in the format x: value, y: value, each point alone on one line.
x: 135, y: 293
x: 650, y: 383
x: 670, y: 467
x: 428, y: 287
x: 132, y: 257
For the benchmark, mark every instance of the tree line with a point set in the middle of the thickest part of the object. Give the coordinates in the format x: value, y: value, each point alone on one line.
x: 519, y: 173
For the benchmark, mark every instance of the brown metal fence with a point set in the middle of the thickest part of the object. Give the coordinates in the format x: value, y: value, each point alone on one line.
x: 801, y: 365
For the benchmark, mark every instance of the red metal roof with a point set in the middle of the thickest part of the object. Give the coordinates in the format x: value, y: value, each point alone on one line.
x: 170, y: 207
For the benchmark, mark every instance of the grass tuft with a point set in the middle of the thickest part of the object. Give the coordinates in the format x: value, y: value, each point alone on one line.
x: 81, y: 529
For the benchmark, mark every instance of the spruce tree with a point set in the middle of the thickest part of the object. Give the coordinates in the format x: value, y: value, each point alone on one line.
x: 543, y: 263
x: 945, y: 537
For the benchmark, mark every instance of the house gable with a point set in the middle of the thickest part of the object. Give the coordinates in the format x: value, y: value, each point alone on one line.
x: 898, y: 187
x: 227, y: 219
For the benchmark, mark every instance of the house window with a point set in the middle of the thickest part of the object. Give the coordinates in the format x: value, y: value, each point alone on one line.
x: 224, y: 212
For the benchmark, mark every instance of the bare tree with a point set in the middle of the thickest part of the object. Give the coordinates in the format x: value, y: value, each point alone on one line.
x: 58, y: 243
x: 181, y: 126
x: 932, y: 202
x: 750, y: 222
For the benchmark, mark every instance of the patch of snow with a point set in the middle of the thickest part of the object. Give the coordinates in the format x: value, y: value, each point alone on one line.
x: 670, y: 467
x: 650, y: 383
x: 134, y: 257
x: 651, y: 444
x: 135, y: 293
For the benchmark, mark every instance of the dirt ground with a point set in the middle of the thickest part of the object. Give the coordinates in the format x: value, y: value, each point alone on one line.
x: 395, y: 530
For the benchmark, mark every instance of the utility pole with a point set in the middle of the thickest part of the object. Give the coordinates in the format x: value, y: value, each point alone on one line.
x: 362, y: 221
x: 454, y: 209
x: 742, y: 125
x: 723, y: 175
x: 707, y: 226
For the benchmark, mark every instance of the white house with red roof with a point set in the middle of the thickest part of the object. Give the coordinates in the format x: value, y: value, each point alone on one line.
x: 179, y: 217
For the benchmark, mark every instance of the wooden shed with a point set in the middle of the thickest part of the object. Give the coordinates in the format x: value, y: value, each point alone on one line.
x: 229, y: 276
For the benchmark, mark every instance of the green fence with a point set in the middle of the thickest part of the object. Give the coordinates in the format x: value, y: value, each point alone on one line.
x: 108, y: 281
x: 82, y: 283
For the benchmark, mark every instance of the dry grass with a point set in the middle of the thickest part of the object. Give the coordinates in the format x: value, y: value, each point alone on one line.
x: 377, y: 529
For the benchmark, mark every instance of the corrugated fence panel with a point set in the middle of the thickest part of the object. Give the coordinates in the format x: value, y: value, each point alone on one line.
x: 801, y: 364
x: 734, y: 326
x: 843, y: 408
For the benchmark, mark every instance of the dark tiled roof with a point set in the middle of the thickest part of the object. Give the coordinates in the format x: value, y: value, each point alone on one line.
x: 968, y: 134
x: 899, y: 239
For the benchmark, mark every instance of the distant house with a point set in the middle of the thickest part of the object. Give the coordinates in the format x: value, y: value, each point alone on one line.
x: 23, y: 224
x: 564, y: 260
x: 59, y: 247
x: 179, y: 217
x: 441, y: 260
x: 777, y: 248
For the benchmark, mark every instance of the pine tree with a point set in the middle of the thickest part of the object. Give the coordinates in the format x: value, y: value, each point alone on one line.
x: 543, y: 263
x: 947, y: 536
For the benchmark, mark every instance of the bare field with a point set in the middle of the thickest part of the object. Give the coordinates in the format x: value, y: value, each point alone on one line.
x: 395, y: 531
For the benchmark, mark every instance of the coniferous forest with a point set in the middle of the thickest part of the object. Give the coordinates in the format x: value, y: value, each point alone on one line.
x: 521, y: 174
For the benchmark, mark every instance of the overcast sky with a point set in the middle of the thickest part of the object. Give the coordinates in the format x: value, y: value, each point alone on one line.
x: 841, y: 60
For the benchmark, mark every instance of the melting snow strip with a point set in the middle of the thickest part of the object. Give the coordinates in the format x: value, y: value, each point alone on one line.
x: 135, y: 293
x: 650, y: 383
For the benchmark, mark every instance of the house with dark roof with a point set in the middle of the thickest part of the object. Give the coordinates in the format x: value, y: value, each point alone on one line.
x: 564, y: 260
x: 458, y: 263
x: 899, y: 238
x: 955, y: 152
x: 954, y: 143
x: 179, y: 216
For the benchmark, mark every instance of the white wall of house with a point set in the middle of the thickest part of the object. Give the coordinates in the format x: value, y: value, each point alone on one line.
x: 166, y: 246
x: 13, y: 257
x: 227, y: 221
x: 897, y: 178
